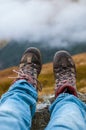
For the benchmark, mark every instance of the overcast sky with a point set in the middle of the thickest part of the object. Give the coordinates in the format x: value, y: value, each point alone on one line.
x: 56, y: 21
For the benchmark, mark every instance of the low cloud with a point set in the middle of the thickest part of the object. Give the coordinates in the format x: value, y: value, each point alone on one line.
x: 57, y: 22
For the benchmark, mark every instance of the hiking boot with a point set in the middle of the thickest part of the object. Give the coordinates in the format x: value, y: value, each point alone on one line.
x: 64, y: 73
x: 30, y: 67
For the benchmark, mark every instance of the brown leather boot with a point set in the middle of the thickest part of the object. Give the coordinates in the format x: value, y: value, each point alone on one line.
x: 30, y: 67
x: 64, y: 73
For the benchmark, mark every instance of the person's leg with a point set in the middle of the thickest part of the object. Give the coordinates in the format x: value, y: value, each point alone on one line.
x: 67, y: 111
x: 18, y: 104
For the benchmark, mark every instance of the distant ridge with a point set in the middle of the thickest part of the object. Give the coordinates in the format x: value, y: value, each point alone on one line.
x: 10, y: 54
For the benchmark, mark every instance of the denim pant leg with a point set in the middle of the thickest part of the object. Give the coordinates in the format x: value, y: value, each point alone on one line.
x: 17, y: 106
x: 67, y: 113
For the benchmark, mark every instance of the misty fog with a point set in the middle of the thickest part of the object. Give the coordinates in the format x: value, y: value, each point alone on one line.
x: 58, y: 22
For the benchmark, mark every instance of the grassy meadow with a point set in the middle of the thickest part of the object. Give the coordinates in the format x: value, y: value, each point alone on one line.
x: 46, y: 77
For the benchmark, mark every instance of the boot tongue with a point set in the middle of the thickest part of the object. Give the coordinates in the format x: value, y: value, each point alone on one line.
x: 29, y: 59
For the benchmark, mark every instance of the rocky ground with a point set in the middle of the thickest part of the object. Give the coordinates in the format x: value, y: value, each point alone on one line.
x: 42, y: 116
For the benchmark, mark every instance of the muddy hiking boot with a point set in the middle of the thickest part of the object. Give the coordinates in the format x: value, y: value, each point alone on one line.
x: 30, y: 67
x: 64, y: 73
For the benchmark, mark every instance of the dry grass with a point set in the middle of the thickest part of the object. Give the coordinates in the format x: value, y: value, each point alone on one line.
x: 5, y: 81
x: 47, y: 78
x: 80, y: 61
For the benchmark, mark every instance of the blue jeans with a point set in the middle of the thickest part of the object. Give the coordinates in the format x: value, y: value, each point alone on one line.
x: 18, y: 105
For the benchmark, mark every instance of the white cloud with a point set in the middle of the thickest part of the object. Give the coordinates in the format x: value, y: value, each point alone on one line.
x: 55, y: 21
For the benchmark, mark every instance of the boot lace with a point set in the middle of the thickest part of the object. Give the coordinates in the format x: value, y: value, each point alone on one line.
x: 29, y: 73
x: 64, y: 76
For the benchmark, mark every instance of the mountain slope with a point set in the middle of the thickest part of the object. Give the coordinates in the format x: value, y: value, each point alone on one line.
x: 3, y: 43
x: 46, y: 76
x: 10, y: 55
